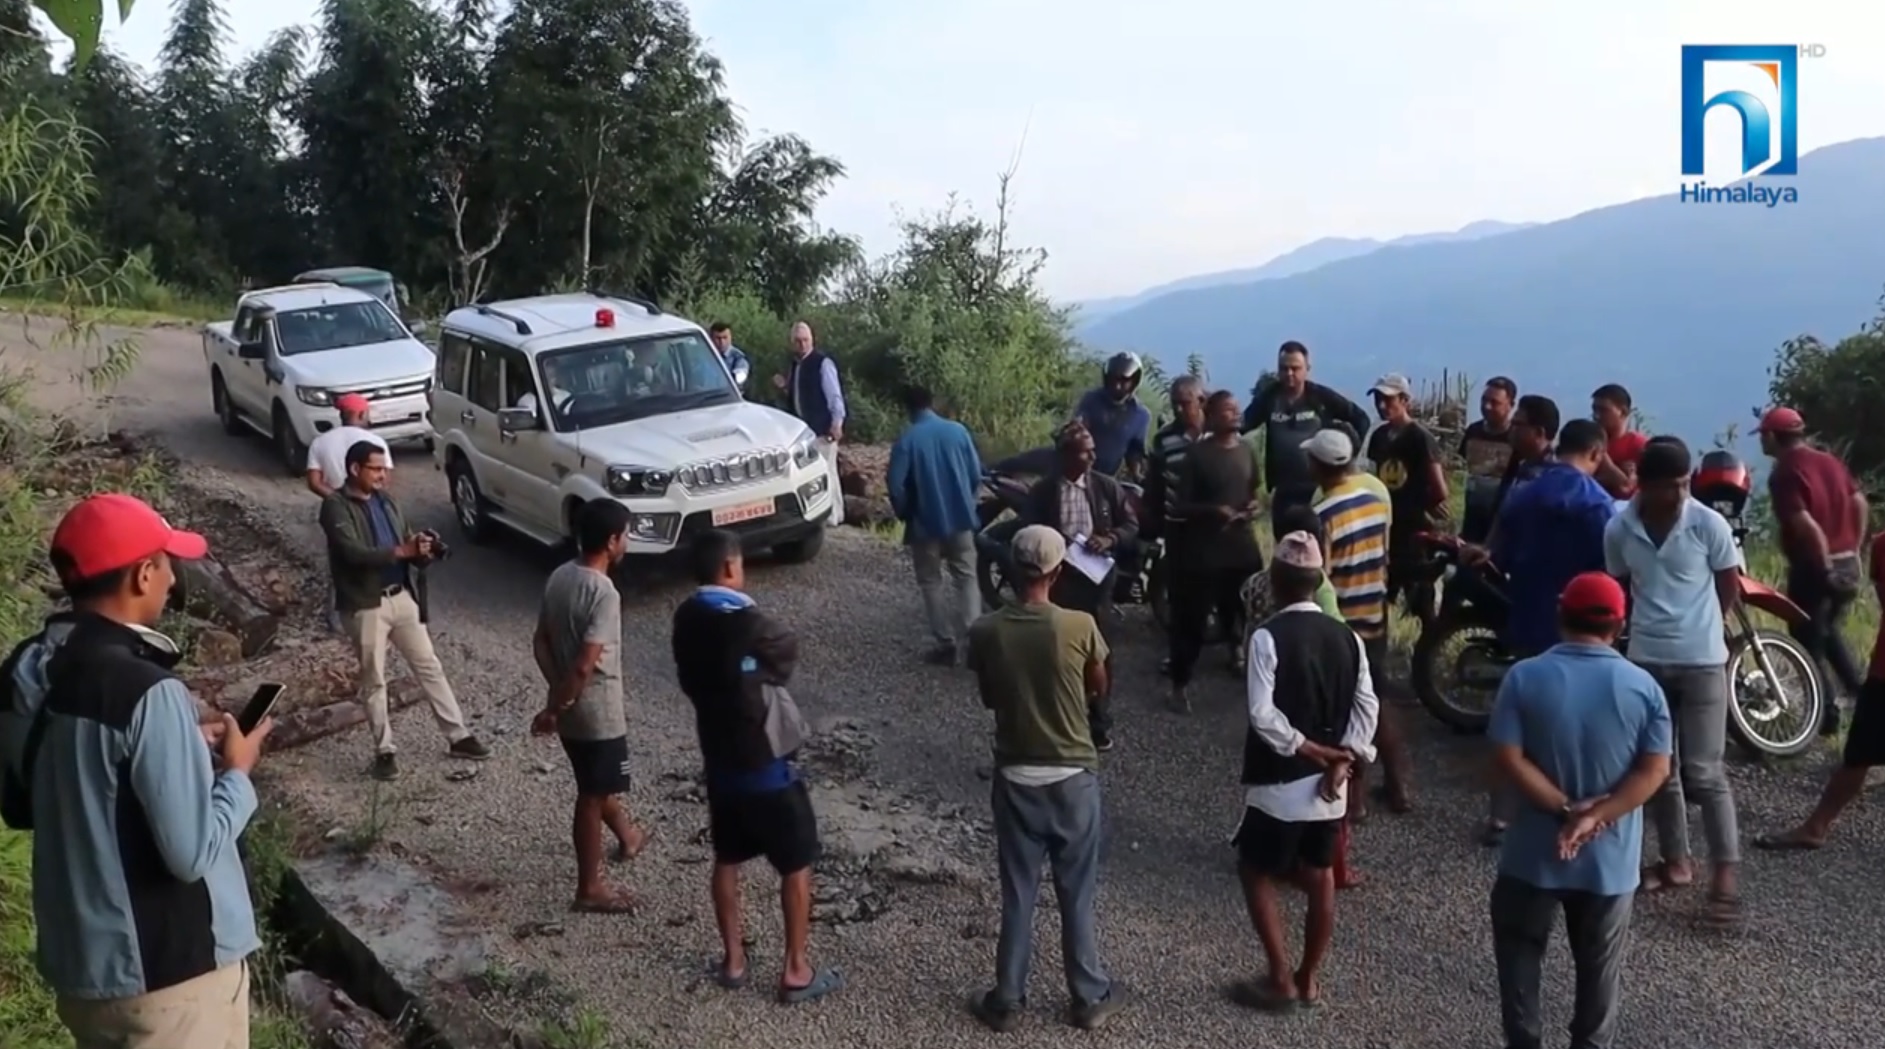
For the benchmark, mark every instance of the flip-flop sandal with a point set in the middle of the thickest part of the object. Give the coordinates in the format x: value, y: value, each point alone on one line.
x: 1722, y: 912
x: 618, y: 903
x: 1788, y: 842
x: 1491, y: 834
x: 717, y: 972
x: 824, y: 982
x: 623, y: 854
x: 1309, y: 1005
x: 1655, y: 880
x: 1262, y: 997
x: 1400, y: 805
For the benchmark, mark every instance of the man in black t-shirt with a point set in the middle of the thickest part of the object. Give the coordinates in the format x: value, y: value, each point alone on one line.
x: 1487, y: 449
x: 1215, y: 549
x: 1290, y: 410
x: 1407, y: 460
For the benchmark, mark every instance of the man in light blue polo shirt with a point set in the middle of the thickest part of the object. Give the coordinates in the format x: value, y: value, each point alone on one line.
x: 1682, y: 566
x: 1583, y: 737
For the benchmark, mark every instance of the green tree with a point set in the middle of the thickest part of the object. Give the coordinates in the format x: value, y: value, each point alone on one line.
x: 1837, y: 388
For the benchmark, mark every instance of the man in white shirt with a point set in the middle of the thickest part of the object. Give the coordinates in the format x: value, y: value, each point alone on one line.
x: 327, y: 463
x: 1312, y: 717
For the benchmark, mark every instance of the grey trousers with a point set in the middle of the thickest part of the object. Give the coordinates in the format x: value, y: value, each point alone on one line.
x: 949, y: 626
x: 1698, y: 702
x: 1598, y: 929
x: 1058, y: 826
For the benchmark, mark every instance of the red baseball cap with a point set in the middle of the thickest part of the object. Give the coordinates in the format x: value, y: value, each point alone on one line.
x: 1781, y: 420
x: 352, y: 402
x: 1595, y: 595
x: 112, y: 531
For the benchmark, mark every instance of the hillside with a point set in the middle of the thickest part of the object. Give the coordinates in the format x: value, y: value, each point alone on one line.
x: 1684, y: 304
x: 1310, y: 256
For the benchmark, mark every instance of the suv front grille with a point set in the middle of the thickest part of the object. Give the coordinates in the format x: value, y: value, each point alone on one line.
x: 392, y: 390
x: 731, y: 471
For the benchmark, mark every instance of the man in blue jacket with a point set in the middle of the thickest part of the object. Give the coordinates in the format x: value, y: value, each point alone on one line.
x: 934, y: 473
x: 1550, y: 530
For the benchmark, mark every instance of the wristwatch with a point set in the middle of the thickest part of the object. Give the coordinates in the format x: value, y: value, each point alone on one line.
x: 1566, y: 812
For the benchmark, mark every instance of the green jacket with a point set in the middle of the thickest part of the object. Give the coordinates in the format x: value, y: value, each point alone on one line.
x: 356, y: 562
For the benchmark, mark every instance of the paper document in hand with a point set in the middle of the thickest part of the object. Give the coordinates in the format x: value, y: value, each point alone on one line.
x: 1094, y: 566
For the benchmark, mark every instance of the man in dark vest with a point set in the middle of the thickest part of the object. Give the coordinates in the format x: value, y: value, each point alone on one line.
x: 814, y: 394
x: 1312, y: 716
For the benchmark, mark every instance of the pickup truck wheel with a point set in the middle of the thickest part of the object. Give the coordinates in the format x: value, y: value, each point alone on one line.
x: 802, y: 551
x: 225, y: 408
x: 468, y: 505
x: 294, y: 454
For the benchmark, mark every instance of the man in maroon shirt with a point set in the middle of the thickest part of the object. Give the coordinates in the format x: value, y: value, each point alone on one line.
x: 1865, y: 743
x: 1610, y: 408
x: 1822, y: 518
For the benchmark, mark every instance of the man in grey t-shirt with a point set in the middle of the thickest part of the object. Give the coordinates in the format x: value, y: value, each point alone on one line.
x: 578, y: 646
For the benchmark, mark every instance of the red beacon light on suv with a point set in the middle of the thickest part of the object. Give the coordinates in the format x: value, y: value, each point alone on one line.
x: 605, y: 318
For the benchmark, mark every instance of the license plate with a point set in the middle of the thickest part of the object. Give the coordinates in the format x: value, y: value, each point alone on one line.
x: 727, y: 515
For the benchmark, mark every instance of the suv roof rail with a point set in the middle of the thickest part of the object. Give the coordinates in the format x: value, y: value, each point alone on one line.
x: 523, y: 328
x: 652, y: 308
x: 310, y: 285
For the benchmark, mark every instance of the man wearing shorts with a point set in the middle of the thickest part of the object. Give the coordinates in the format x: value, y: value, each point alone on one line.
x: 578, y: 647
x: 733, y: 662
x: 1312, y: 712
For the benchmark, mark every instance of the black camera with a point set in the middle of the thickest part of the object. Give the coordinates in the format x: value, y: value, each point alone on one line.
x: 439, y: 550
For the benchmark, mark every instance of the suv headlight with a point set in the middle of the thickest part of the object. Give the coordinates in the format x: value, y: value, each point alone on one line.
x: 315, y: 395
x: 627, y: 482
x: 805, y: 449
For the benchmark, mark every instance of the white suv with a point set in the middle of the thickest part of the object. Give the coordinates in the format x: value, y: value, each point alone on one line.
x: 544, y: 404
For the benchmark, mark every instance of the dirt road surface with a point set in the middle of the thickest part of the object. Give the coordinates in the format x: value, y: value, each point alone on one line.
x: 900, y: 773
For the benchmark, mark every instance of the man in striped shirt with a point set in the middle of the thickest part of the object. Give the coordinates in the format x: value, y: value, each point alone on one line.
x: 1355, y: 526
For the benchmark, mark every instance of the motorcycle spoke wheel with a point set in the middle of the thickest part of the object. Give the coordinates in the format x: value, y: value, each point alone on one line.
x: 1779, y: 716
x: 1470, y: 668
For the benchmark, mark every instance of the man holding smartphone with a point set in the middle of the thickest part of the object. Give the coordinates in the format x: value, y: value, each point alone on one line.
x: 379, y: 588
x: 106, y: 765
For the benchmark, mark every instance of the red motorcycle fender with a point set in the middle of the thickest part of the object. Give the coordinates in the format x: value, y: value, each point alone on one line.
x: 1764, y: 598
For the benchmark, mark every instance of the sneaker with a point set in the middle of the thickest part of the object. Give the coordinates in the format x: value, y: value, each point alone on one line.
x: 385, y: 768
x: 1090, y: 1016
x: 941, y: 656
x: 471, y: 750
x: 1102, y: 742
x: 1180, y: 699
x: 995, y: 1014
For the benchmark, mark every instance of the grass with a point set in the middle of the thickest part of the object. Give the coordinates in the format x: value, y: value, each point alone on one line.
x: 149, y: 306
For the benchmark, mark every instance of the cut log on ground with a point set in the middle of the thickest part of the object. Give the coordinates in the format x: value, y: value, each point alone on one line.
x: 207, y: 590
x: 306, y: 726
x: 334, y: 1019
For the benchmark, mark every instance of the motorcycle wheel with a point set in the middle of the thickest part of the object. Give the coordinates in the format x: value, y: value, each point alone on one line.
x: 1777, y: 716
x: 1440, y: 657
x: 996, y: 589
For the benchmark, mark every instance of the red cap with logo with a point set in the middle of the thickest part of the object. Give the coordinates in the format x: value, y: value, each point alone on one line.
x: 1594, y: 595
x: 1781, y: 420
x: 112, y: 531
x: 352, y: 402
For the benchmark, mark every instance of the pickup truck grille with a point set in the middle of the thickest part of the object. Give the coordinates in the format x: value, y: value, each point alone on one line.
x: 392, y: 390
x: 733, y: 470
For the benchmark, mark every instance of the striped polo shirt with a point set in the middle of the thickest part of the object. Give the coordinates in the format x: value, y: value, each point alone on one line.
x: 1356, y: 522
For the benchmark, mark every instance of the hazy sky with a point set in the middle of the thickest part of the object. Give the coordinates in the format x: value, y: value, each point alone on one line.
x: 1185, y: 136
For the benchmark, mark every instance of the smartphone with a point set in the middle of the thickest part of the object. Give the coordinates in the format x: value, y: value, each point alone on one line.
x: 264, y: 700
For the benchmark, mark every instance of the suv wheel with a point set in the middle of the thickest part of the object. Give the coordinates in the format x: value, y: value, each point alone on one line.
x: 802, y: 551
x: 225, y: 408
x: 294, y: 454
x: 468, y: 504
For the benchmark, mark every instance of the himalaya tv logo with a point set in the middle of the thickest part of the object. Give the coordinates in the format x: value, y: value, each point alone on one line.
x: 1759, y: 85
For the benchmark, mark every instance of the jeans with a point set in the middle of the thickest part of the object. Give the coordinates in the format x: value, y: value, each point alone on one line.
x: 930, y: 557
x: 1598, y: 929
x: 1820, y: 636
x: 1194, y: 597
x: 1698, y: 701
x: 1057, y: 825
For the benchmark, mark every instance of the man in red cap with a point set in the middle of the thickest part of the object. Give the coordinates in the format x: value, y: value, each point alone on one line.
x: 1584, y: 737
x: 1822, y: 518
x: 327, y: 456
x: 105, y: 763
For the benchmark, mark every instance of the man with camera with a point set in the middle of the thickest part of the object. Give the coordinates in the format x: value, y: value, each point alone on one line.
x: 378, y: 567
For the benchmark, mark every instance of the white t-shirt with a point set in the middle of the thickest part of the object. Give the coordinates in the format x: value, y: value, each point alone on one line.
x: 328, y: 453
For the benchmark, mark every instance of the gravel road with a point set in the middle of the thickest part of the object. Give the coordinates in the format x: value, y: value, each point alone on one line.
x: 901, y: 775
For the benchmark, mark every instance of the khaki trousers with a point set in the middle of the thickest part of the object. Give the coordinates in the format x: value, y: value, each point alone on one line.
x: 395, y: 626
x: 209, y: 1012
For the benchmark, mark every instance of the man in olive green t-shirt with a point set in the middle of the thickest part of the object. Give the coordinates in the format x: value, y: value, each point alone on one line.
x: 1039, y: 666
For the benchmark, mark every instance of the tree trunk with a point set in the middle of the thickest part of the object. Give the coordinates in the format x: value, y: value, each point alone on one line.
x: 302, y: 727
x: 207, y: 590
x: 334, y: 1019
x: 589, y: 225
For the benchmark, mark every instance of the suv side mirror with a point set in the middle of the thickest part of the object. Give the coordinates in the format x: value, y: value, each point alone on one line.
x: 252, y: 351
x: 518, y: 420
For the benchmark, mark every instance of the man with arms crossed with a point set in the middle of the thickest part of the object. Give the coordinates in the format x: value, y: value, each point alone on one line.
x: 1039, y: 668
x: 1583, y: 737
x: 578, y: 647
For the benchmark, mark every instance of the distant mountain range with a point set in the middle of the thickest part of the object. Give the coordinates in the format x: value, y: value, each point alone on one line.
x: 1683, y: 303
x: 1296, y: 260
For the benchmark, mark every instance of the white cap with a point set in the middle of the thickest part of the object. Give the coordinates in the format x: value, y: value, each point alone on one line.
x: 1330, y: 448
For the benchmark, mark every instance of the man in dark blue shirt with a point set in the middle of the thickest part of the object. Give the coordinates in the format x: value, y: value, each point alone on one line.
x: 1116, y: 419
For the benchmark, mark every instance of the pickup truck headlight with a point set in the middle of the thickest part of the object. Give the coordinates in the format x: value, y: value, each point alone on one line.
x: 315, y: 396
x: 805, y: 449
x: 628, y: 482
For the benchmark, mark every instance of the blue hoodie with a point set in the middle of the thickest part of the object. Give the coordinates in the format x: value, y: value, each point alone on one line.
x: 1118, y: 429
x: 1550, y: 530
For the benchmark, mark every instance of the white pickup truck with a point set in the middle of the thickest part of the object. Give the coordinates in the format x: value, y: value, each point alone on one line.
x: 277, y: 368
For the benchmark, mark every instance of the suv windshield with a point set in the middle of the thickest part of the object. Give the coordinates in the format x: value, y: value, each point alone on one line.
x: 618, y: 382
x: 332, y: 326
